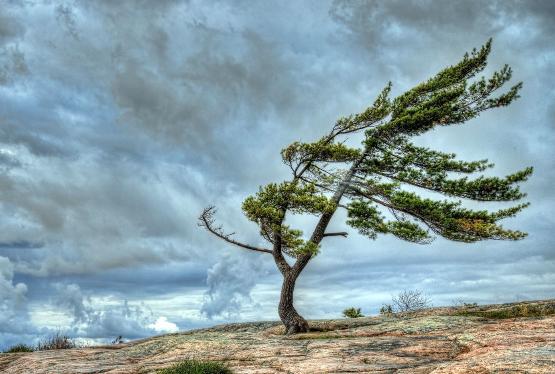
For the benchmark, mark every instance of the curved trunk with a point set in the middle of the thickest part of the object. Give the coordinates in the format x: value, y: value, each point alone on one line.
x: 293, y: 321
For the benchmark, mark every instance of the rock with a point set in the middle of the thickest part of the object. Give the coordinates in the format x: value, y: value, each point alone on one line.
x: 440, y: 340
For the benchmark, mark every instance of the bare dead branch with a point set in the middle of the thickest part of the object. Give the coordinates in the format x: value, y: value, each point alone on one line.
x: 206, y: 220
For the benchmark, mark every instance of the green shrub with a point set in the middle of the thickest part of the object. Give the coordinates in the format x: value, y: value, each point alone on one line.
x: 19, y: 348
x: 386, y: 310
x: 352, y: 313
x: 196, y: 367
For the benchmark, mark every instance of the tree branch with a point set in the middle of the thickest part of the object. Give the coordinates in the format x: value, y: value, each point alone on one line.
x: 342, y: 233
x: 307, y: 163
x: 206, y: 220
x: 393, y: 208
x: 279, y: 259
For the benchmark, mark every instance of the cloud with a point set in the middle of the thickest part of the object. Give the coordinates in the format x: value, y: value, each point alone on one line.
x: 12, y: 59
x: 15, y: 321
x: 12, y: 298
x: 162, y: 325
x: 230, y: 282
x: 128, y: 321
x: 10, y: 27
x: 92, y: 222
x: 103, y: 142
x: 66, y: 17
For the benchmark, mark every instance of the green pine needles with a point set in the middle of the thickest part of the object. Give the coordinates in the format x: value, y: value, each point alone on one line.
x: 392, y: 161
x: 378, y: 183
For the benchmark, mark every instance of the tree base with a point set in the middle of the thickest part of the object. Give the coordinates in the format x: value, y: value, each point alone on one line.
x: 296, y: 326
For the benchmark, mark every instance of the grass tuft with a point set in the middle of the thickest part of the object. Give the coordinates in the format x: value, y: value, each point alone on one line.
x: 196, y: 367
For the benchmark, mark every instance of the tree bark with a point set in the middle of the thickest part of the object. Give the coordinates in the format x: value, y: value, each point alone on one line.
x: 293, y: 321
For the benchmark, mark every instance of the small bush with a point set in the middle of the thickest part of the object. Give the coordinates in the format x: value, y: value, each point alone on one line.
x: 196, y: 367
x: 410, y: 301
x: 352, y: 313
x: 56, y: 341
x: 386, y: 310
x: 19, y: 348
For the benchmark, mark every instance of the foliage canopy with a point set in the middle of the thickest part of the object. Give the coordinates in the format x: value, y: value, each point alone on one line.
x: 388, y: 161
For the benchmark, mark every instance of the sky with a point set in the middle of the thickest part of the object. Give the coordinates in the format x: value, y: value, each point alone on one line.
x: 121, y: 120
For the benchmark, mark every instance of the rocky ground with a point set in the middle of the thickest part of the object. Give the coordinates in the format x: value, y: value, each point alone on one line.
x: 508, y: 338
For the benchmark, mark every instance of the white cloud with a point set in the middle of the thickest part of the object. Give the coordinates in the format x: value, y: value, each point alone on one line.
x: 162, y: 325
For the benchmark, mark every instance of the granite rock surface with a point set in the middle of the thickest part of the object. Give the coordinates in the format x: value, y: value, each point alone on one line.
x: 515, y: 338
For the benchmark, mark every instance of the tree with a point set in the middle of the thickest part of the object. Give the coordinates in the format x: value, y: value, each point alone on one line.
x: 370, y: 182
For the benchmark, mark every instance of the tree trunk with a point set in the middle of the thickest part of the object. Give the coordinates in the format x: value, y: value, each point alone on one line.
x: 293, y: 321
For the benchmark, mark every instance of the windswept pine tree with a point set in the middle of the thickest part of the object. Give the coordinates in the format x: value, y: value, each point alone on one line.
x: 370, y: 182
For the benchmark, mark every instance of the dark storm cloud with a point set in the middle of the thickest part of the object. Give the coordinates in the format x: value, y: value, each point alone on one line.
x: 20, y: 244
x: 374, y: 23
x: 12, y: 60
x: 120, y: 121
x: 99, y: 216
x: 231, y: 73
x: 10, y: 28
